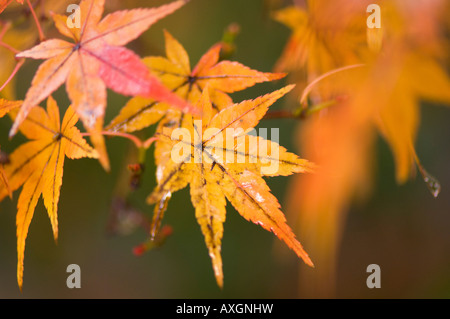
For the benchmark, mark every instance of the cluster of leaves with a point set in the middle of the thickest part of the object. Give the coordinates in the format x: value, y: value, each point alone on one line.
x: 362, y: 81
x: 368, y: 82
x: 165, y: 91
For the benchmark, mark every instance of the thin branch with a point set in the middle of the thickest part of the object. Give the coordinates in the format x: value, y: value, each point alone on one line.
x: 279, y: 115
x: 10, y: 48
x: 317, y: 108
x: 131, y: 137
x: 5, y: 28
x: 301, y: 113
x: 16, y: 69
x: 147, y: 143
x: 138, y: 142
x: 309, y: 87
x: 33, y: 13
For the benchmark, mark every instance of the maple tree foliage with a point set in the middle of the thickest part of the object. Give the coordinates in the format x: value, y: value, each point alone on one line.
x: 166, y: 91
x: 352, y: 83
x: 393, y: 70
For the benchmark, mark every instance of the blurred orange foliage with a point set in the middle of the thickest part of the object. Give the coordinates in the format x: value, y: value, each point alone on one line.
x: 396, y: 67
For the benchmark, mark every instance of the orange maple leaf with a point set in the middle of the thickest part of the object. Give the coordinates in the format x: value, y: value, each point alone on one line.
x: 219, y: 165
x: 97, y: 60
x: 38, y: 166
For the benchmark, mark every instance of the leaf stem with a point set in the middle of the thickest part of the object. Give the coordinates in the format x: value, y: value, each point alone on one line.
x: 279, y: 115
x: 310, y: 86
x: 33, y: 13
x: 317, y: 108
x: 6, y: 27
x: 300, y: 113
x: 10, y: 48
x: 138, y: 142
x: 147, y: 143
x: 131, y: 137
x: 16, y: 69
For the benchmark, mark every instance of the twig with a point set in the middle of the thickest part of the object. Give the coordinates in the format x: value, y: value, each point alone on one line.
x: 138, y: 142
x: 41, y: 33
x: 16, y: 69
x: 309, y: 87
x: 300, y: 113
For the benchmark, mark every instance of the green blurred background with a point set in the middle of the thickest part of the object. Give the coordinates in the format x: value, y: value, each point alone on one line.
x: 401, y: 228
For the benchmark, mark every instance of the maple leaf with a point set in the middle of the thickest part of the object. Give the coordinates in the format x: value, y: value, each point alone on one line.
x: 38, y: 166
x: 175, y: 72
x: 221, y: 165
x: 417, y: 78
x: 94, y: 61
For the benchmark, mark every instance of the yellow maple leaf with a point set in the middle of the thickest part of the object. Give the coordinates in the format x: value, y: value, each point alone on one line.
x: 220, y: 164
x: 38, y: 166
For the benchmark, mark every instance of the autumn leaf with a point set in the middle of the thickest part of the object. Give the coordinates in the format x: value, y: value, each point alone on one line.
x: 97, y: 60
x: 38, y: 166
x: 419, y: 78
x: 18, y: 33
x: 175, y: 72
x: 220, y: 165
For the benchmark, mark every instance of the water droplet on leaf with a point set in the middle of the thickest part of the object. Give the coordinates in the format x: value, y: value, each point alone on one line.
x: 432, y: 183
